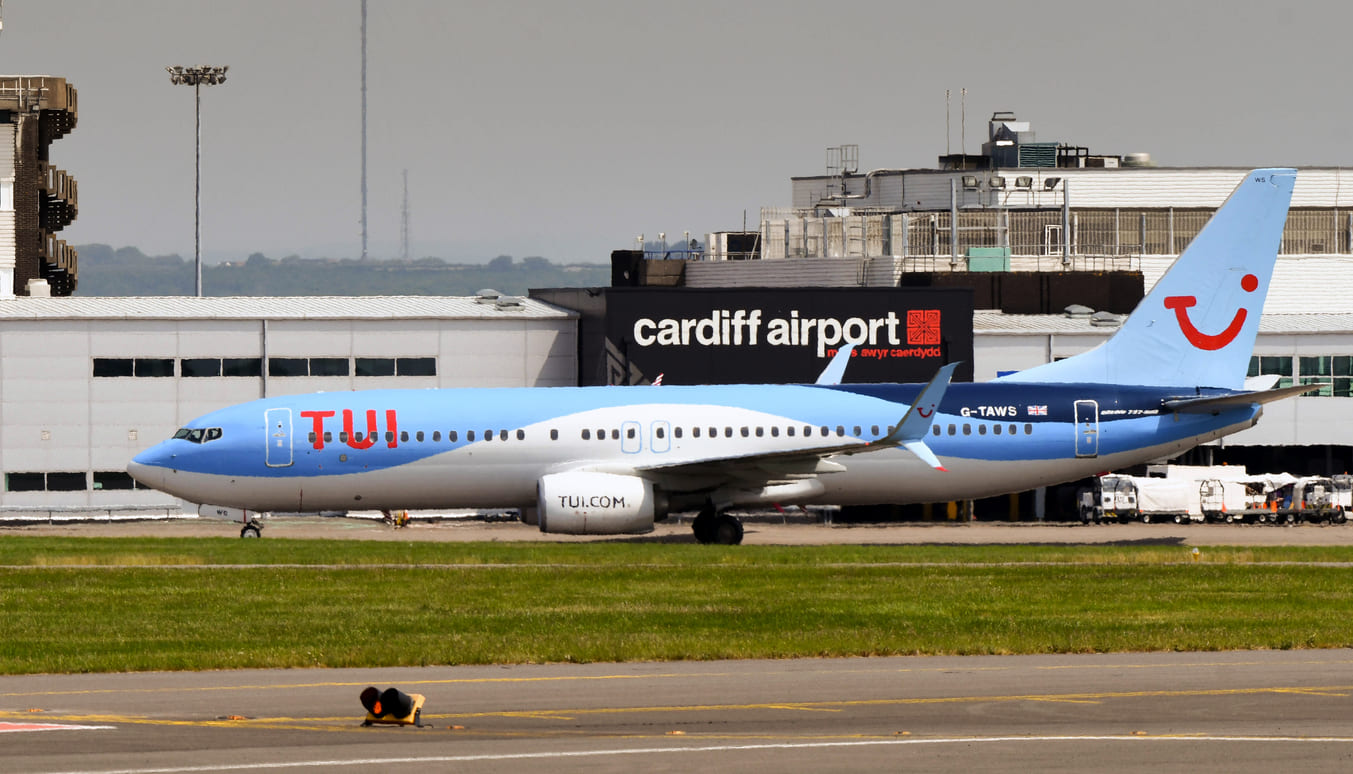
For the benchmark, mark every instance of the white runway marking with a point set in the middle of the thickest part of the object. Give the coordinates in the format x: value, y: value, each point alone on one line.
x: 702, y: 749
x: 13, y: 728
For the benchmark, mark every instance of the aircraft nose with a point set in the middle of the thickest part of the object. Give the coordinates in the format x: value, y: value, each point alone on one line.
x: 148, y: 468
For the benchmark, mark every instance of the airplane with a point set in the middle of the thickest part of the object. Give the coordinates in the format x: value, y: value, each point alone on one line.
x: 613, y: 460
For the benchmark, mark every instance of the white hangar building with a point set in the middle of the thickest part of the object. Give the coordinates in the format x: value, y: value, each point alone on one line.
x: 86, y: 383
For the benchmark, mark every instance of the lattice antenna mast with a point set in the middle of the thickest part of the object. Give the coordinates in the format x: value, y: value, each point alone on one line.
x: 404, y: 219
x: 364, y: 235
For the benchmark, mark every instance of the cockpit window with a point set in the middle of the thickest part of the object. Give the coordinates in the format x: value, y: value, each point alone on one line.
x: 198, y: 434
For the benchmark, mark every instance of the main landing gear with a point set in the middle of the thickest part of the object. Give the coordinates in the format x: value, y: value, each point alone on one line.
x: 252, y: 529
x: 714, y: 527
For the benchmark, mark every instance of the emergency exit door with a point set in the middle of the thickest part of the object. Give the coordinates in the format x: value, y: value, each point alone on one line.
x: 1087, y: 428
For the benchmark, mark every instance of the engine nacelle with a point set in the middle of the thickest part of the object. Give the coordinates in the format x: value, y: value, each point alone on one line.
x: 598, y: 504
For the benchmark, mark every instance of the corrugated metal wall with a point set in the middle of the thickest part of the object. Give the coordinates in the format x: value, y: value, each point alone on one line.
x: 8, y: 244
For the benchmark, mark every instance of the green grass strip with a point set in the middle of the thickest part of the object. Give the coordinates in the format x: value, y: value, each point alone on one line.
x: 83, y: 605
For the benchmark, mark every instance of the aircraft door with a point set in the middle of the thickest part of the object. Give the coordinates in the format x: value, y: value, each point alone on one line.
x: 661, y: 440
x: 278, y: 453
x: 1087, y: 428
x: 631, y: 441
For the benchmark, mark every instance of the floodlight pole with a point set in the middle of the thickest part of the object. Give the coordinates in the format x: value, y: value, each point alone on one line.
x: 197, y: 77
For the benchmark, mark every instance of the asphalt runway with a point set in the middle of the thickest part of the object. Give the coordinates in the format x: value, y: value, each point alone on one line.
x: 759, y: 531
x: 1240, y: 712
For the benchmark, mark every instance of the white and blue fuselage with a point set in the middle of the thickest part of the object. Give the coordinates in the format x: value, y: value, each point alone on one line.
x: 392, y: 449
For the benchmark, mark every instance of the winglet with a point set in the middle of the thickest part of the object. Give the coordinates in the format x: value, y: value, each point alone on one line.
x: 910, y: 433
x: 837, y: 368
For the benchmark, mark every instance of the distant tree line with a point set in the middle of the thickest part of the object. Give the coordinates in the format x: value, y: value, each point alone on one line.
x: 126, y: 271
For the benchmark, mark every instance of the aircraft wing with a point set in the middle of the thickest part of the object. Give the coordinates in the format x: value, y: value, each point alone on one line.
x: 909, y: 433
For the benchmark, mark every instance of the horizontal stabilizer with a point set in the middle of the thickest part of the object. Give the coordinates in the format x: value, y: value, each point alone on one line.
x: 1219, y: 403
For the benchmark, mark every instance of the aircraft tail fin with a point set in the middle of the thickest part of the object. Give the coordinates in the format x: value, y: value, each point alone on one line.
x: 1198, y: 324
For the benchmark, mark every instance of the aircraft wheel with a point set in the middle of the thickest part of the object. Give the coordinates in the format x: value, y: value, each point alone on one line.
x: 727, y: 530
x: 251, y: 531
x: 704, y: 526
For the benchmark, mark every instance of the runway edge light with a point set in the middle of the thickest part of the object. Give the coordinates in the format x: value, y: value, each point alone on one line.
x: 392, y: 707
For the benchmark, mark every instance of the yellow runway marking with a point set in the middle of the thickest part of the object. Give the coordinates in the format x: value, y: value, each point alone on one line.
x: 575, y: 713
x: 661, y: 676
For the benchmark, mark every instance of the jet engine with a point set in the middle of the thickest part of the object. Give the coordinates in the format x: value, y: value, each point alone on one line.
x: 598, y: 504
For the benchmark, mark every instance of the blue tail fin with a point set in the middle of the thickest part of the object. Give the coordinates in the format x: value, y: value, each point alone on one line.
x: 1196, y: 327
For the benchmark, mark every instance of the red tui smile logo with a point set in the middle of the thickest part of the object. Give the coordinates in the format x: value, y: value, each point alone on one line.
x: 1209, y: 341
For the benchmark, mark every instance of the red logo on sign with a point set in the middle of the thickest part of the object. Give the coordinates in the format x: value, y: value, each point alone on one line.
x: 1209, y: 341
x: 923, y: 327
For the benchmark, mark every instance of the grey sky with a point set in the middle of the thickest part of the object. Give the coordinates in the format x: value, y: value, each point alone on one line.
x: 564, y: 129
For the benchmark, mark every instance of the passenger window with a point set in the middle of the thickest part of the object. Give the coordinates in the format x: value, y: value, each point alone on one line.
x: 826, y: 431
x: 451, y: 436
x: 436, y: 436
x: 488, y: 435
x: 996, y: 429
x: 840, y: 431
x: 981, y: 429
x: 357, y: 437
x: 469, y: 436
x: 789, y: 431
x: 967, y: 429
x: 934, y: 429
x: 660, y: 432
x: 774, y: 431
x: 554, y: 434
x: 629, y: 433
x: 953, y: 430
x: 328, y: 436
x: 601, y: 435
x: 1028, y: 429
x: 343, y: 436
x: 760, y: 432
x: 390, y: 436
x: 676, y: 432
x: 312, y: 436
x: 857, y: 431
x: 502, y: 435
x: 615, y: 435
x: 874, y: 430
x: 745, y: 431
x: 695, y: 432
x: 403, y: 436
x: 419, y: 436
x: 587, y: 434
x: 1012, y: 430
x: 714, y: 432
x: 728, y: 432
x: 521, y: 435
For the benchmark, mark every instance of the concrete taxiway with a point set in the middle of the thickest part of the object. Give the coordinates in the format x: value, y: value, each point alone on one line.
x: 1242, y: 712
